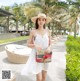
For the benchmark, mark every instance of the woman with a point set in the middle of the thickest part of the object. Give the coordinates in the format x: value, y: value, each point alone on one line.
x: 40, y: 38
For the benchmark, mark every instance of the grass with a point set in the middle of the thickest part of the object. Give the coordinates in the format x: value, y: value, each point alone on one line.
x: 13, y: 39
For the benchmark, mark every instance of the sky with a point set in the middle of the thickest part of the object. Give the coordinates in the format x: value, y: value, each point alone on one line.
x: 11, y: 2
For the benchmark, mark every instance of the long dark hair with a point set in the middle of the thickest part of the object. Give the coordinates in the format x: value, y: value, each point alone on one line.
x: 36, y: 24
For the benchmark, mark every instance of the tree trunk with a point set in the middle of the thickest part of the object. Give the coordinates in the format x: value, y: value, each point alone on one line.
x: 16, y: 26
x: 75, y: 29
x: 24, y: 27
x: 8, y: 24
x: 56, y: 30
x: 52, y: 31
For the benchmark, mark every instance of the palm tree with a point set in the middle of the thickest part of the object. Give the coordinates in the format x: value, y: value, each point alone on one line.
x: 16, y: 11
x: 52, y: 8
x: 30, y: 11
x: 23, y: 21
x: 74, y: 11
x: 69, y: 18
x: 6, y: 8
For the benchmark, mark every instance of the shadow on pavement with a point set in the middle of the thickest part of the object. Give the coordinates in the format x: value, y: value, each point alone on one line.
x: 5, y: 60
x: 48, y: 78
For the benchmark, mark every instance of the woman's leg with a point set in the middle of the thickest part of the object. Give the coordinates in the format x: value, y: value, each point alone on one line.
x: 39, y: 77
x: 44, y: 73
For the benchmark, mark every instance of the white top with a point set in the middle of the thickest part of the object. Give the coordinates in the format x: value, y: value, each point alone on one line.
x: 42, y: 41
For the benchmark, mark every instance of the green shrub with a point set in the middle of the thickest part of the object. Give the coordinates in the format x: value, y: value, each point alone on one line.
x: 71, y: 38
x: 72, y: 45
x: 73, y: 66
x: 73, y: 59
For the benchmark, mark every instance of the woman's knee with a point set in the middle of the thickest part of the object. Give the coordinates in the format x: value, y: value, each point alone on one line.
x: 44, y: 73
x: 43, y: 77
x: 39, y: 77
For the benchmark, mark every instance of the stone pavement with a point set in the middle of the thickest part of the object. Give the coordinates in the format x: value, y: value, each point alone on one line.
x: 56, y: 70
x: 57, y: 67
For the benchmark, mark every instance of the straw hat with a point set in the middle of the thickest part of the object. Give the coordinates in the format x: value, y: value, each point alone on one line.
x: 48, y: 19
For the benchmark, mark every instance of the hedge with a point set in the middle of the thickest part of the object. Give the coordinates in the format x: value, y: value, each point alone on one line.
x: 73, y: 59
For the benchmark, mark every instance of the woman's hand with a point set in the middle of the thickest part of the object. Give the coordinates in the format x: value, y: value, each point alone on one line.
x: 38, y: 47
x: 48, y: 50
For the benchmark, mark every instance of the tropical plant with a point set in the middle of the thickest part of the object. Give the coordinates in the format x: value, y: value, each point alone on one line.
x: 30, y: 11
x: 16, y: 9
x: 54, y: 9
x: 71, y: 17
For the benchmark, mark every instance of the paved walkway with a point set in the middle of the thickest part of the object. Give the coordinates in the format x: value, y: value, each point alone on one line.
x: 57, y: 67
x: 56, y: 70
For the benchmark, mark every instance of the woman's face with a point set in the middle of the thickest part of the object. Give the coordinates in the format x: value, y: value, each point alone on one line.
x: 41, y: 21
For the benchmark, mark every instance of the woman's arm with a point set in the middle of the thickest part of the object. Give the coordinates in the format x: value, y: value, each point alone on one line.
x: 30, y: 42
x: 49, y: 37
